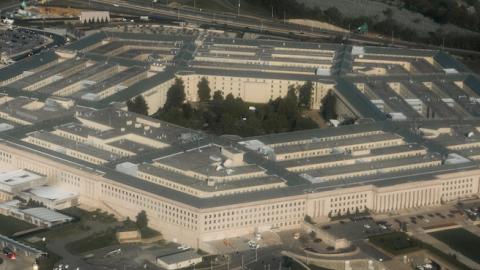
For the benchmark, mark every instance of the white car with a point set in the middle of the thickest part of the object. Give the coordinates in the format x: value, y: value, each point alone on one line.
x: 183, y: 247
x: 253, y: 245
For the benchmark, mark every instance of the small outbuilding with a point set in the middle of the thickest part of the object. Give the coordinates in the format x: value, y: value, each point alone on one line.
x: 179, y: 259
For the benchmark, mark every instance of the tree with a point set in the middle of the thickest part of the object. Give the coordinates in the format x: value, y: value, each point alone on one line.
x: 187, y: 111
x: 308, y: 219
x: 388, y: 12
x: 329, y: 106
x: 218, y: 96
x: 204, y: 90
x: 138, y: 105
x: 305, y: 94
x: 302, y: 123
x: 142, y: 220
x: 334, y: 15
x: 175, y: 95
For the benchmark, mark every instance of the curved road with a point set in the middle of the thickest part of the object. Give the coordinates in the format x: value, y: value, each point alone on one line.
x: 57, y: 40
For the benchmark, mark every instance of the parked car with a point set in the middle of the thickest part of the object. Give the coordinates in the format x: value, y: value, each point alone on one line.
x: 9, y: 253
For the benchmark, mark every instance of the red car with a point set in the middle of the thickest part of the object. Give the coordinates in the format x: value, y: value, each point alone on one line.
x: 9, y: 253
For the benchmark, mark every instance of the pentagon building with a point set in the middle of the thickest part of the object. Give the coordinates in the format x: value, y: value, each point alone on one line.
x: 416, y: 142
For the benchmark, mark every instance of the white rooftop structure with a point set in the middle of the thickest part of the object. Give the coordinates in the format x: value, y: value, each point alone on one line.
x: 397, y: 116
x: 51, y: 193
x: 450, y: 71
x: 19, y: 180
x: 5, y: 127
x: 254, y: 145
x: 358, y: 50
x: 127, y: 168
x: 51, y: 197
x: 46, y: 215
x: 454, y: 158
x: 179, y: 259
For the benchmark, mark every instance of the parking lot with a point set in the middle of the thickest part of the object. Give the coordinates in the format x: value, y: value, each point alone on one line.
x: 425, y: 220
x: 18, y: 40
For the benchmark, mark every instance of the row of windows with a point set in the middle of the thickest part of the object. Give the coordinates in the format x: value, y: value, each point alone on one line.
x: 352, y: 209
x: 457, y: 187
x: 275, y: 225
x: 330, y: 138
x: 279, y: 215
x: 344, y: 198
x: 257, y: 209
x: 326, y: 151
x: 347, y: 203
x: 165, y: 211
x: 5, y: 157
x: 457, y: 181
x: 70, y: 179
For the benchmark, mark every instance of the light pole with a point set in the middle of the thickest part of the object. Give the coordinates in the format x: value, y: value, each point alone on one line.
x: 238, y: 11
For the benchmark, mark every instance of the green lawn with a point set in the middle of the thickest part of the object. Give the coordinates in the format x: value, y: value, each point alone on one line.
x: 10, y: 225
x: 395, y: 242
x: 95, y: 241
x: 462, y: 241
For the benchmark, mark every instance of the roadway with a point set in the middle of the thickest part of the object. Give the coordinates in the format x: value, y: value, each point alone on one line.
x: 56, y: 41
x: 8, y: 5
x: 242, y: 22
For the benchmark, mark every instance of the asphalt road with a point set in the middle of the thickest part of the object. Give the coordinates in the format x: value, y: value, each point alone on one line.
x: 8, y: 5
x: 229, y: 20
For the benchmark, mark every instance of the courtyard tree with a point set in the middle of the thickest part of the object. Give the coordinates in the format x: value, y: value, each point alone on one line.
x: 218, y: 96
x: 175, y: 95
x: 329, y: 106
x: 138, y: 105
x: 305, y: 94
x: 142, y: 220
x: 204, y: 90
